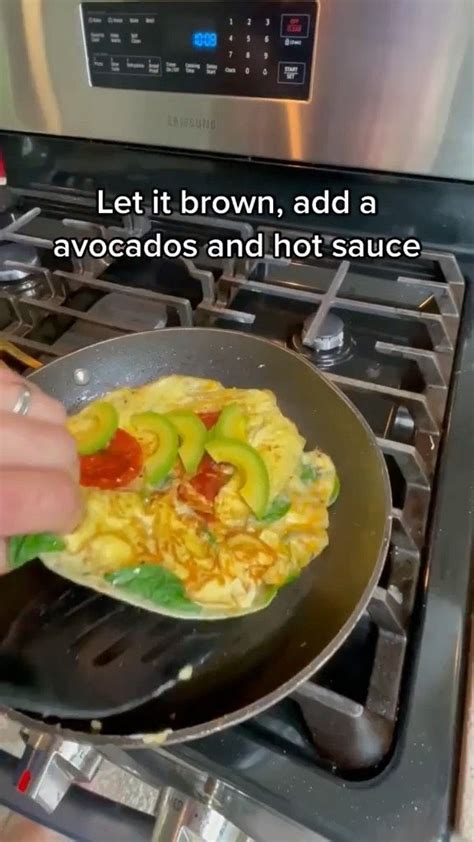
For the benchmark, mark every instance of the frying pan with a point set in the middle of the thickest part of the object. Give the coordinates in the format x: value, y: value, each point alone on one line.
x: 92, y: 650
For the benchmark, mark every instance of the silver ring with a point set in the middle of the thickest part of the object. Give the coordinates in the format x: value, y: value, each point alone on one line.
x: 23, y: 402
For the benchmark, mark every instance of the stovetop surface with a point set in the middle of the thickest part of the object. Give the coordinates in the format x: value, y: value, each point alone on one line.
x: 392, y: 364
x: 409, y: 795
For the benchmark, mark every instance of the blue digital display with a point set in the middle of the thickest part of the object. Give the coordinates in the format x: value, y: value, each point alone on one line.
x: 204, y: 40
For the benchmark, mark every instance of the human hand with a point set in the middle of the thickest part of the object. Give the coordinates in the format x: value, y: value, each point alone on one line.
x: 19, y: 829
x: 39, y: 471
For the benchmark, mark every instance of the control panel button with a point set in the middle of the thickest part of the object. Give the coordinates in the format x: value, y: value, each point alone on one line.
x: 154, y: 66
x: 93, y: 20
x: 136, y: 65
x: 97, y: 37
x: 100, y: 62
x: 291, y: 73
x: 192, y: 67
x: 118, y: 64
x: 295, y: 26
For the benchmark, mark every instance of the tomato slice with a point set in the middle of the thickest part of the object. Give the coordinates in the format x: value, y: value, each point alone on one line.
x: 210, y: 478
x: 209, y: 418
x: 115, y: 466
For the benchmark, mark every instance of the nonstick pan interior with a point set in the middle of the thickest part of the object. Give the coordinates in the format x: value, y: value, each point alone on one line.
x: 239, y: 666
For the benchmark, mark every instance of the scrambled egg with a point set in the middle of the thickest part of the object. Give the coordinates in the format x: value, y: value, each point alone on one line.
x: 218, y: 549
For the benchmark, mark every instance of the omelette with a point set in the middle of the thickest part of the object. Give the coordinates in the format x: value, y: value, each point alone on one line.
x: 200, y: 501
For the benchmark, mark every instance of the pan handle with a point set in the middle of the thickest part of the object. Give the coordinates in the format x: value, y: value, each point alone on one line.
x: 8, y: 348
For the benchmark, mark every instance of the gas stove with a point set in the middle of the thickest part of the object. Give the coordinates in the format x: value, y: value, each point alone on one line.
x: 366, y: 749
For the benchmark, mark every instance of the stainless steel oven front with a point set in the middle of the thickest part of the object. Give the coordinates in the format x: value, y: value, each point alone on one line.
x: 355, y: 83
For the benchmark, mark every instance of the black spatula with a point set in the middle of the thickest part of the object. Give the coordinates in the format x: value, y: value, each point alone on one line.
x: 74, y: 653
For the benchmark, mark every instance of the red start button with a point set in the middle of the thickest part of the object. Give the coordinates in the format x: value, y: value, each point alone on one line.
x: 294, y: 26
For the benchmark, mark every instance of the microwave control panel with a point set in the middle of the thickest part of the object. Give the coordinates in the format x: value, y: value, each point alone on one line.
x: 261, y: 49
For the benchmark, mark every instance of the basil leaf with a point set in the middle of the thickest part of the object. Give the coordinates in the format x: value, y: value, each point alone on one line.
x: 309, y: 473
x: 123, y: 577
x: 277, y: 510
x: 155, y: 583
x: 335, y: 490
x: 24, y: 548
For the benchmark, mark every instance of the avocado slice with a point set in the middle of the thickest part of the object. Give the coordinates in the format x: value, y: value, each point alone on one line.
x: 255, y: 488
x: 336, y: 489
x: 159, y: 464
x: 231, y: 424
x: 94, y: 427
x: 192, y: 434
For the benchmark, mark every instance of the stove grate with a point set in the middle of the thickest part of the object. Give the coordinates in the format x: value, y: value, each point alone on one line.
x: 422, y: 306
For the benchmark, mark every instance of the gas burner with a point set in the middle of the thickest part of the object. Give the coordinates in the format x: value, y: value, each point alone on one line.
x: 16, y: 280
x: 19, y: 254
x: 330, y: 348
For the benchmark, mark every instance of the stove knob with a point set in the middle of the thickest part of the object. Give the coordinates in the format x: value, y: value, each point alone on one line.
x: 50, y: 765
x: 183, y: 819
x: 328, y: 337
